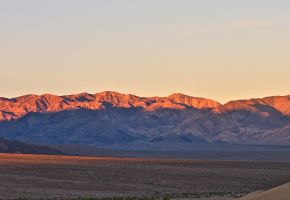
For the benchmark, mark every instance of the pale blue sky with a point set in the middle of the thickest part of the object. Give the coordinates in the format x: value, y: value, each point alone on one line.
x: 219, y: 49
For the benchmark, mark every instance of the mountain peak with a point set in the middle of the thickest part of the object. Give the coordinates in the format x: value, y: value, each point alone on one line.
x: 259, y: 105
x: 179, y: 95
x: 19, y: 106
x: 132, y: 117
x: 195, y: 102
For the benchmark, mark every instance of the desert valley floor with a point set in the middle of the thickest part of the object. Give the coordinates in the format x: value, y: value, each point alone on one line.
x: 67, y: 177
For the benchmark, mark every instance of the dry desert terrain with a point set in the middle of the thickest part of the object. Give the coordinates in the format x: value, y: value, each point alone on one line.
x: 71, y: 177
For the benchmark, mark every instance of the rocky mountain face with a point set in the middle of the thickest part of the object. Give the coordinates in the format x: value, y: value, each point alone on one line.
x: 111, y: 119
x: 18, y: 107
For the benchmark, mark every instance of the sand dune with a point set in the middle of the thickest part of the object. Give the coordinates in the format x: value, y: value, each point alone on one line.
x: 279, y: 193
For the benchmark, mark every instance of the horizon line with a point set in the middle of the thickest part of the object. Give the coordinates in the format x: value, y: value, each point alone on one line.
x: 154, y: 96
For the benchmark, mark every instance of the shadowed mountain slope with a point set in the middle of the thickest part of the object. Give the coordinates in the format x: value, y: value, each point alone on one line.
x: 7, y: 146
x: 111, y: 119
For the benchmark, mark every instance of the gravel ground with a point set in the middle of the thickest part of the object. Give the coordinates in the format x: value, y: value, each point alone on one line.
x: 57, y: 177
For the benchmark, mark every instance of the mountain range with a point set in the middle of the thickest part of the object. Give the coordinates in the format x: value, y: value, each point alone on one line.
x: 115, y: 120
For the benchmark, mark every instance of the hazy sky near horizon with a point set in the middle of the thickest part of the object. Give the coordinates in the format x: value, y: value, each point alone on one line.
x: 218, y: 49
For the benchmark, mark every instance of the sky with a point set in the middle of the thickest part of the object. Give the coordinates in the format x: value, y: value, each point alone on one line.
x: 222, y: 50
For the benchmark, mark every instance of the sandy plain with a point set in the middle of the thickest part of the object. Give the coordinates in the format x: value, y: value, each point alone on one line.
x: 72, y: 177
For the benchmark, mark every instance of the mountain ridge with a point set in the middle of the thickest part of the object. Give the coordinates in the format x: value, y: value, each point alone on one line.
x: 109, y: 119
x: 17, y: 107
